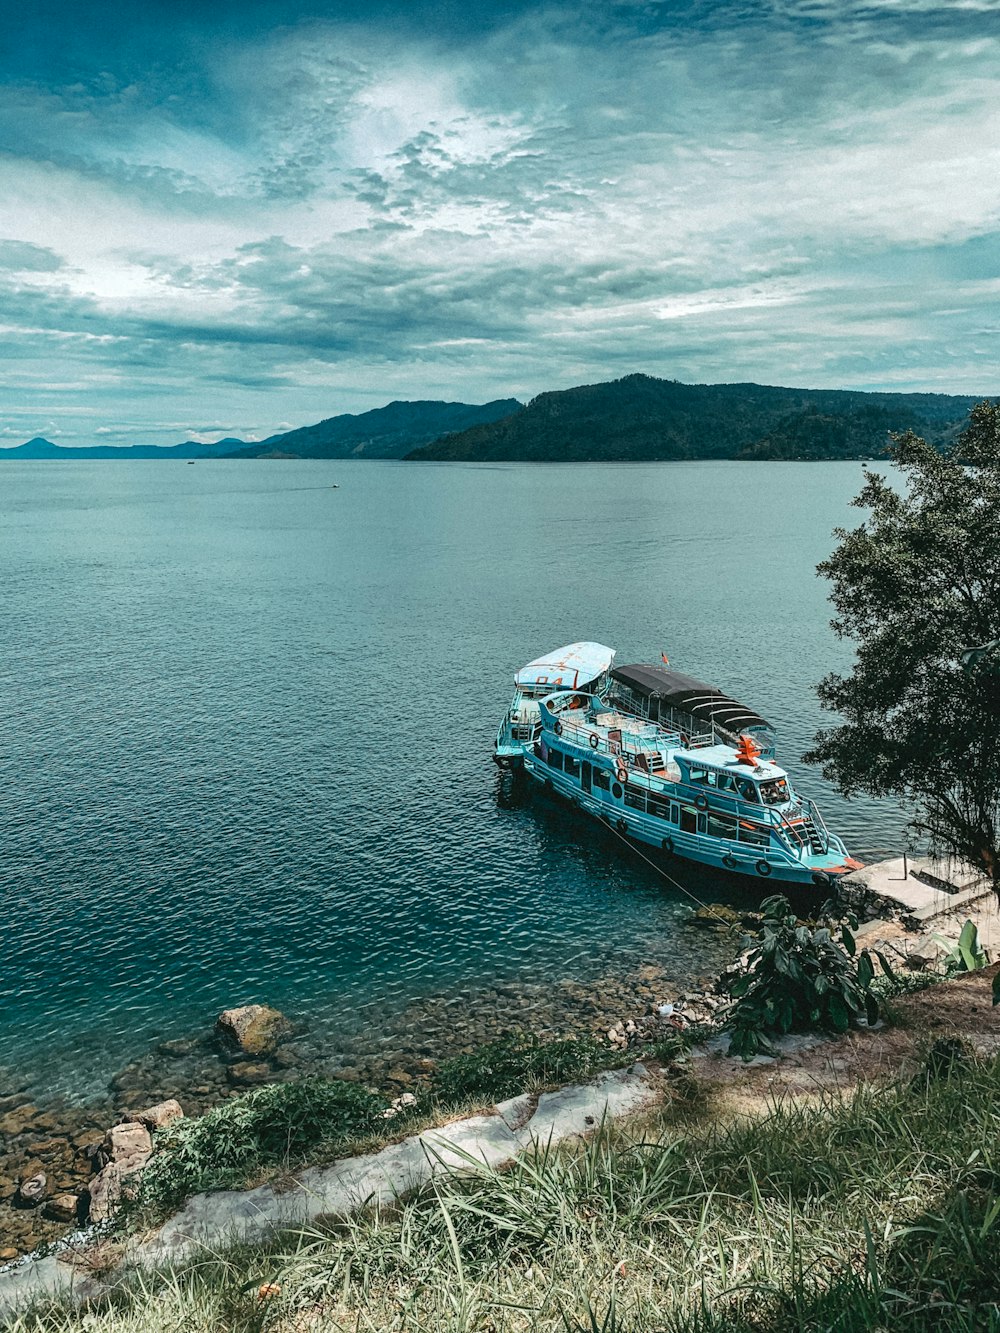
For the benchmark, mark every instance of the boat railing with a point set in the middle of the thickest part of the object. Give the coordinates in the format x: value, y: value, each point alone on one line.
x: 678, y: 719
x: 790, y: 825
x: 793, y: 834
x: 588, y: 736
x: 820, y: 822
x: 524, y: 731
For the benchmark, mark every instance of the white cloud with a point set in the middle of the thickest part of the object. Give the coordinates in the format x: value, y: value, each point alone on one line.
x: 342, y: 217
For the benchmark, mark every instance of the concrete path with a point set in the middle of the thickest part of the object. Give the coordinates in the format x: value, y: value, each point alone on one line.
x: 928, y: 886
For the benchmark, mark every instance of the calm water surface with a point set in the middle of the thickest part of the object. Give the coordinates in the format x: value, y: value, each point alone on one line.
x: 248, y: 718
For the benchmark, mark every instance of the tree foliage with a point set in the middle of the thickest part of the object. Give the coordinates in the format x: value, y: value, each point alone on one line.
x: 915, y: 587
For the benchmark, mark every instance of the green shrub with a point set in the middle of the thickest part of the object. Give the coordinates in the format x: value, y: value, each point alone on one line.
x: 799, y: 979
x: 269, y: 1126
x: 506, y: 1067
x: 967, y: 955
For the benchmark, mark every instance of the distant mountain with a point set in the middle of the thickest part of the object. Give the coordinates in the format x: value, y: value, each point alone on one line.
x: 39, y: 449
x: 640, y: 418
x: 385, y: 432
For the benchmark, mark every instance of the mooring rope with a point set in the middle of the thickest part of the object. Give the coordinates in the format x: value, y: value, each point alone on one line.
x: 660, y: 871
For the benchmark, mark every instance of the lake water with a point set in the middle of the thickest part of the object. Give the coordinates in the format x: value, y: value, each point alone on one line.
x: 248, y: 724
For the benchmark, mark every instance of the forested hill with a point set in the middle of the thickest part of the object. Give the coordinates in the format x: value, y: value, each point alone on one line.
x: 641, y: 418
x: 385, y: 432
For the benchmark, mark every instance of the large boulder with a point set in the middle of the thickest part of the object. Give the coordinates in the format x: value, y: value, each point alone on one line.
x: 104, y: 1192
x: 129, y: 1145
x: 127, y: 1148
x: 62, y: 1208
x: 155, y: 1117
x: 253, y: 1029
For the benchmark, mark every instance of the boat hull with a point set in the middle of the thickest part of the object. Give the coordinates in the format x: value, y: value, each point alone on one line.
x: 773, y: 867
x: 509, y: 759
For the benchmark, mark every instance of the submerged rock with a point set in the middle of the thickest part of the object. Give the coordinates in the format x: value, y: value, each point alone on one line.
x: 178, y: 1048
x: 716, y: 915
x: 253, y: 1029
x: 247, y: 1073
x: 17, y: 1121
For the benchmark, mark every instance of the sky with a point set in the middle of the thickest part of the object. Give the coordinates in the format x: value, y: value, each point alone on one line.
x: 240, y: 217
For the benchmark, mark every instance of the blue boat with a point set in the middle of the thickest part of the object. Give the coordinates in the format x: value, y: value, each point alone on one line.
x: 584, y: 666
x: 678, y: 765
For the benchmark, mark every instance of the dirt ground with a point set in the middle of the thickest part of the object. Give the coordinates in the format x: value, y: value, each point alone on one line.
x: 810, y: 1066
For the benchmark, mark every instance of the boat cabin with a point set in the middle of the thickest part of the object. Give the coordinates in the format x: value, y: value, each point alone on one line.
x: 577, y: 666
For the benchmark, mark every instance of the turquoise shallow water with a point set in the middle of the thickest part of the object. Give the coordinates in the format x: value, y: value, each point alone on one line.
x: 248, y: 719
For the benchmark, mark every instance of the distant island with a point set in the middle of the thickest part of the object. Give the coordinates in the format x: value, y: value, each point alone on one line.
x: 384, y: 432
x: 634, y: 419
x: 40, y: 449
x: 643, y: 419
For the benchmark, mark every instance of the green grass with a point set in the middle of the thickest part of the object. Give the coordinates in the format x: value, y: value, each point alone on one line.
x: 506, y: 1067
x: 272, y: 1126
x: 878, y: 1213
x: 283, y: 1126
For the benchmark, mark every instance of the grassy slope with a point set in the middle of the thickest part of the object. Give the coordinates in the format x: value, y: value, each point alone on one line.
x: 872, y: 1213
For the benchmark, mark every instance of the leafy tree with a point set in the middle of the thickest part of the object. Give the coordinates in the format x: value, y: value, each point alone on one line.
x: 917, y: 589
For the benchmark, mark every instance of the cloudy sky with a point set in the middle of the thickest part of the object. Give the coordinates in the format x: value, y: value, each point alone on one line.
x: 236, y: 217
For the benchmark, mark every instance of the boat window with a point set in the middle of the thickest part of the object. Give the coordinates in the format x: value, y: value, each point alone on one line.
x: 572, y: 766
x: 754, y: 834
x: 689, y: 819
x: 675, y: 814
x: 697, y: 775
x: 775, y: 793
x: 555, y: 758
x: 721, y: 825
x: 602, y: 779
x: 635, y: 798
x: 748, y: 790
x: 725, y: 781
x: 656, y: 805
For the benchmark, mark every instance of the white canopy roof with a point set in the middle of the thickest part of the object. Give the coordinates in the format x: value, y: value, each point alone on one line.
x: 570, y: 668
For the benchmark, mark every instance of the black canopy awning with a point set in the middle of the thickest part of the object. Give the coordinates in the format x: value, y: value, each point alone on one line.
x: 705, y: 702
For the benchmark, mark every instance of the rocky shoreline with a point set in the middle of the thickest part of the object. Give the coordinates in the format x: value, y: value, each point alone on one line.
x: 52, y: 1154
x: 63, y: 1149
